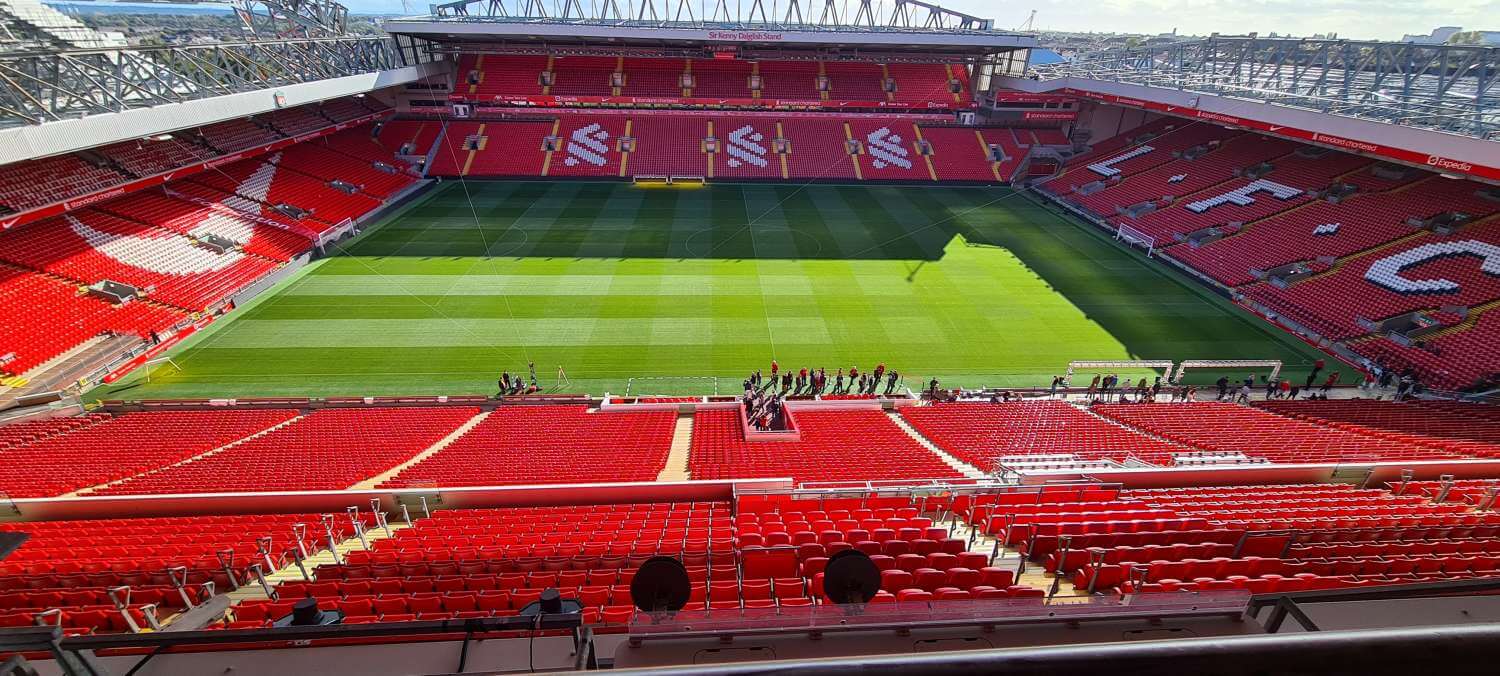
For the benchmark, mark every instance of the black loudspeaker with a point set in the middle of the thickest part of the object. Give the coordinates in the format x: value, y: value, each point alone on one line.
x: 851, y: 577
x: 305, y: 613
x: 660, y: 585
x: 551, y: 603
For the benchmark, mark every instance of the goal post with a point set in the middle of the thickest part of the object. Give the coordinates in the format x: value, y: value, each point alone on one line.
x: 151, y: 365
x: 1273, y: 364
x: 663, y: 180
x: 1135, y: 237
x: 1162, y: 365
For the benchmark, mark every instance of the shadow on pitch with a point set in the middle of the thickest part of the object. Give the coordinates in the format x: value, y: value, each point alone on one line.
x: 728, y: 222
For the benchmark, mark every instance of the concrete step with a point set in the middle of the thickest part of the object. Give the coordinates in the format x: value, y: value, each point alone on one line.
x: 959, y: 466
x: 252, y: 589
x: 676, y: 468
x: 432, y: 450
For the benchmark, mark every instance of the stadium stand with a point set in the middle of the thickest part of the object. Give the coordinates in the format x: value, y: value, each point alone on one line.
x: 834, y: 446
x: 25, y: 185
x: 582, y: 75
x: 785, y: 544
x: 799, y: 80
x: 1144, y: 176
x: 1294, y: 235
x: 1036, y: 504
x: 589, y: 145
x: 330, y: 159
x: 1270, y: 538
x: 27, y: 431
x: 1451, y: 430
x: 462, y: 563
x: 963, y: 154
x: 889, y: 150
x: 149, y: 157
x: 297, y: 121
x: 235, y: 135
x: 1247, y: 210
x: 408, y: 137
x: 89, y: 246
x: 1047, y: 432
x: 815, y: 147
x: 487, y: 75
x: 252, y: 207
x: 747, y: 147
x: 264, y: 180
x: 668, y: 145
x: 71, y: 319
x: 65, y: 571
x: 1354, y: 288
x: 1459, y: 356
x: 1227, y: 428
x: 491, y: 76
x: 345, y: 109
x: 716, y: 78
x: 1474, y: 492
x: 124, y: 446
x: 855, y: 81
x: 157, y: 208
x: 345, y: 445
x: 653, y: 77
x: 921, y: 82
x: 548, y: 444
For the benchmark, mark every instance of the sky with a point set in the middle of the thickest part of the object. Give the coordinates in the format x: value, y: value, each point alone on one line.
x: 1362, y: 19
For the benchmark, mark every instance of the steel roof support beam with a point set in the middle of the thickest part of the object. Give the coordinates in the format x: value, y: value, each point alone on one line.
x: 40, y: 86
x: 833, y: 13
x: 1445, y: 87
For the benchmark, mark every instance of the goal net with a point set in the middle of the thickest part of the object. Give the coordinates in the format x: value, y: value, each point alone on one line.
x: 1235, y: 369
x: 666, y: 386
x: 1135, y: 237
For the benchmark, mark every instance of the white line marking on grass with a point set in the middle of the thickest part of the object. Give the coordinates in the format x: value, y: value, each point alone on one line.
x: 764, y: 311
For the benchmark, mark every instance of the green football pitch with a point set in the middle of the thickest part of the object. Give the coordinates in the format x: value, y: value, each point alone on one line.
x: 669, y: 291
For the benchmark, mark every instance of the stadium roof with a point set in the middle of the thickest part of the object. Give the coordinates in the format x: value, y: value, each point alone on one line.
x: 1447, y: 88
x: 909, y: 24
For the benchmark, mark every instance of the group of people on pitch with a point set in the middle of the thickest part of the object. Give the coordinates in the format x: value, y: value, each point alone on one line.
x: 808, y: 382
x: 514, y: 385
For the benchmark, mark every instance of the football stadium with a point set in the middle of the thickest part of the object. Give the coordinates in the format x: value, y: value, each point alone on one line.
x: 695, y: 338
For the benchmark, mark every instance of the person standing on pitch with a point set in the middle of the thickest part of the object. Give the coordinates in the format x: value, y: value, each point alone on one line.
x: 531, y: 366
x: 1333, y: 379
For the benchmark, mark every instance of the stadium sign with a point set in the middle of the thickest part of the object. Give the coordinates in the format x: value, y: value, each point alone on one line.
x: 1050, y: 115
x: 1490, y: 172
x: 744, y: 36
